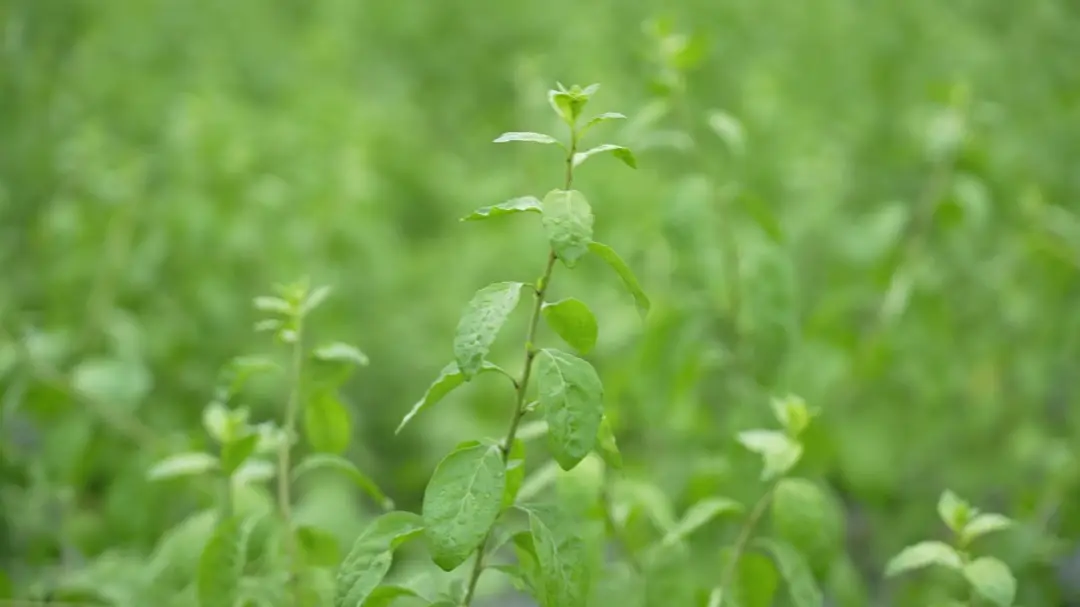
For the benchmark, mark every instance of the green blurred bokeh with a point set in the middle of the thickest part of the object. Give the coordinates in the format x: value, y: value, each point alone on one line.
x: 899, y: 181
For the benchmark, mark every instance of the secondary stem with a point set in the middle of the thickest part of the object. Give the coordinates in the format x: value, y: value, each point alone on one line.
x: 291, y: 410
x: 523, y: 384
x: 744, y: 538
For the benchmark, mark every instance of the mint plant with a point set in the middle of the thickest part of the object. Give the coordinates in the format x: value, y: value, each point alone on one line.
x: 473, y: 489
x: 989, y: 579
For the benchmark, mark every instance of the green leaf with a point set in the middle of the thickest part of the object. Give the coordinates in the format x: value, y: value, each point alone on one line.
x: 606, y: 116
x: 756, y: 581
x: 792, y: 413
x: 342, y: 353
x: 320, y: 547
x: 573, y: 321
x: 371, y: 554
x: 802, y: 589
x: 515, y: 473
x: 954, y: 511
x: 698, y: 515
x: 524, y: 204
x: 116, y: 384
x: 568, y: 223
x: 729, y: 129
x: 992, y: 579
x: 480, y: 324
x: 623, y: 153
x: 609, y: 256
x: 805, y: 517
x: 341, y: 465
x: 234, y: 453
x: 462, y: 501
x: 315, y: 298
x: 526, y: 137
x: 221, y: 565
x: 182, y: 464
x: 449, y: 378
x: 983, y: 524
x: 779, y: 451
x: 922, y: 555
x: 385, y: 595
x: 561, y: 560
x: 572, y: 400
x: 607, y: 446
x: 326, y: 423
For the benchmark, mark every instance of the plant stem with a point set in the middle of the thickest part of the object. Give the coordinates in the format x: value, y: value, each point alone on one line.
x: 522, y: 385
x: 291, y: 410
x: 743, y: 540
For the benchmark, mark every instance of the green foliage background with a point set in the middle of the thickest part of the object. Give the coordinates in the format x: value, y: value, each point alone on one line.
x: 161, y: 163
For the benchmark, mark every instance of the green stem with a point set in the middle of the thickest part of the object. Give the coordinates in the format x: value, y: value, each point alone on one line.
x: 743, y: 540
x: 522, y: 385
x: 291, y: 411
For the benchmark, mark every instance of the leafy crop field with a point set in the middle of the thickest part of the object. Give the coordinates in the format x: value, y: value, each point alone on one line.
x: 556, y: 304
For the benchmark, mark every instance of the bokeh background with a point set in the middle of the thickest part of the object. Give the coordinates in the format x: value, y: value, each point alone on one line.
x: 871, y: 205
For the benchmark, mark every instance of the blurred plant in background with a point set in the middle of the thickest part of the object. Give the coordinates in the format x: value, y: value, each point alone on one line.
x: 871, y: 207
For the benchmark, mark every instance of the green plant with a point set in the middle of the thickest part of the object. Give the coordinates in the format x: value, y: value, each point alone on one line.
x: 988, y: 578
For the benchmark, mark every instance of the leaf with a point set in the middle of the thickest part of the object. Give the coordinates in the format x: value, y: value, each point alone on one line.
x: 623, y: 153
x: 385, y: 595
x: 342, y: 353
x: 922, y: 555
x: 561, y: 559
x: 182, y: 464
x: 524, y: 204
x: 805, y: 517
x: 983, y: 524
x: 320, y: 547
x: 462, y: 501
x: 606, y: 116
x: 802, y: 589
x: 992, y: 579
x: 779, y: 451
x: 568, y: 223
x: 268, y: 303
x: 756, y: 581
x: 315, y: 298
x: 609, y: 256
x: 698, y: 515
x: 480, y: 324
x: 371, y: 554
x: 515, y: 473
x: 792, y: 413
x: 235, y: 452
x: 572, y: 401
x: 729, y: 129
x: 573, y: 321
x: 114, y: 383
x: 326, y: 423
x: 954, y: 512
x: 221, y: 565
x: 449, y: 378
x: 526, y: 137
x: 607, y: 446
x: 337, y: 463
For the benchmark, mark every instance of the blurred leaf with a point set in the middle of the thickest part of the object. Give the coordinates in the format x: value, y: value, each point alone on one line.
x: 802, y: 589
x: 698, y: 515
x: 326, y: 423
x: 572, y: 402
x: 336, y: 463
x: 992, y: 579
x: 385, y: 595
x: 524, y: 204
x: 804, y: 517
x: 515, y: 473
x: 221, y: 565
x: 573, y: 321
x: 609, y: 256
x: 342, y: 353
x: 321, y: 548
x: 527, y: 137
x: 235, y: 453
x: 370, y: 557
x: 922, y: 555
x: 607, y: 445
x: 449, y: 378
x: 623, y: 153
x: 484, y: 316
x: 954, y: 511
x: 114, y: 383
x: 568, y: 223
x: 183, y: 464
x: 606, y: 116
x: 561, y: 559
x: 983, y: 524
x: 779, y: 451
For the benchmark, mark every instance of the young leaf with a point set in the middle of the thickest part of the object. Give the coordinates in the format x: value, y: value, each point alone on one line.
x: 385, y: 595
x: 698, y: 515
x: 607, y: 446
x: 370, y: 557
x: 221, y: 565
x: 449, y: 378
x: 326, y: 423
x: 462, y: 501
x: 234, y: 453
x: 515, y: 473
x: 341, y: 353
x: 573, y: 321
x: 792, y: 413
x: 572, y: 400
x: 602, y: 118
x: 922, y: 555
x: 983, y: 524
x: 802, y: 589
x: 992, y: 579
x: 524, y: 204
x: 337, y: 463
x: 320, y: 547
x: 568, y: 222
x: 527, y: 137
x: 623, y: 153
x: 953, y: 511
x: 779, y: 451
x: 561, y: 559
x: 480, y: 324
x: 609, y: 256
x: 182, y: 464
